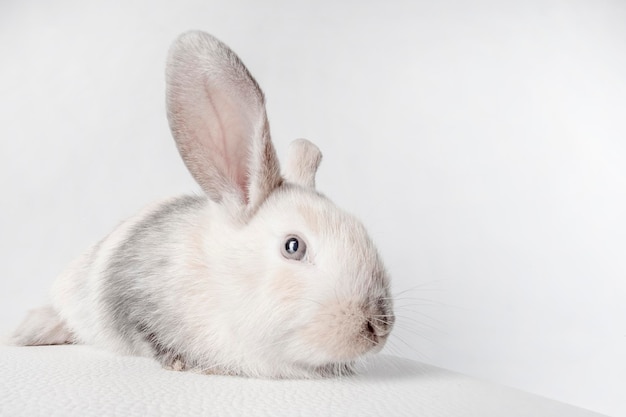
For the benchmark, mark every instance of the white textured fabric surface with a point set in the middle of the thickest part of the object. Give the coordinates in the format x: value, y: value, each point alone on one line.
x: 81, y: 381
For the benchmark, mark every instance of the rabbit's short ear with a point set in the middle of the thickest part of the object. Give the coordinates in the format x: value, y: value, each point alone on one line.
x: 302, y: 162
x: 216, y: 112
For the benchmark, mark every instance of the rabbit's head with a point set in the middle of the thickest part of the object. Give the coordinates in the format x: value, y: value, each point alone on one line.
x: 308, y: 286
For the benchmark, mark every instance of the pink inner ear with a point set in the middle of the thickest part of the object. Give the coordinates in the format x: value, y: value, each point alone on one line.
x: 217, y: 116
x: 214, y: 136
x: 227, y: 134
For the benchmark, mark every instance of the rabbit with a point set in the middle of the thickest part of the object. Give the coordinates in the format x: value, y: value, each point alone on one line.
x: 260, y: 276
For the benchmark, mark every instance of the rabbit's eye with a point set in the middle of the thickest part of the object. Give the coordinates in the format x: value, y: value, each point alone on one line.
x: 294, y: 248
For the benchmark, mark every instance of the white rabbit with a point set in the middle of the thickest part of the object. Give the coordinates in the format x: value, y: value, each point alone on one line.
x: 263, y: 276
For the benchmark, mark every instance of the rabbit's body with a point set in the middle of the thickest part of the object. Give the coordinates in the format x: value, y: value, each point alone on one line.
x: 262, y: 276
x: 97, y: 296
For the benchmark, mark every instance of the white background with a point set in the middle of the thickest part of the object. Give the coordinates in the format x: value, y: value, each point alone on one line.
x: 483, y: 145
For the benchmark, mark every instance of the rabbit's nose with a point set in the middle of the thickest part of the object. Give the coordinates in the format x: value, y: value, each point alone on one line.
x: 379, y: 327
x: 380, y: 319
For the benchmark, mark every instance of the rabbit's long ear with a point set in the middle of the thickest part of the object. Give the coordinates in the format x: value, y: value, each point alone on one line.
x: 216, y: 112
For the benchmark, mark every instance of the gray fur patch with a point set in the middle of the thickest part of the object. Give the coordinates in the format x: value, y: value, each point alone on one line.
x: 144, y: 257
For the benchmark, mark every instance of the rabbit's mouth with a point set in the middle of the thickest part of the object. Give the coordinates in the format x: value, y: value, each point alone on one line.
x: 378, y: 333
x: 346, y: 331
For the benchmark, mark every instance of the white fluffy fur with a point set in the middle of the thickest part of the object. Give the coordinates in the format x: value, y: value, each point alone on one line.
x: 211, y: 289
